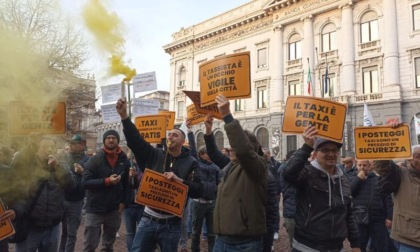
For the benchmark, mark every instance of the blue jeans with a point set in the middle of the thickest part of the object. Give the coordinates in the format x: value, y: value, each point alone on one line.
x: 186, y: 228
x: 201, y: 212
x: 132, y: 217
x: 252, y: 246
x: 40, y: 239
x: 378, y: 234
x: 150, y: 233
x: 70, y: 225
x: 407, y: 248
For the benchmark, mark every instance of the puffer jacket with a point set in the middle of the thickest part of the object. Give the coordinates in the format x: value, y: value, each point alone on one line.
x: 324, y: 216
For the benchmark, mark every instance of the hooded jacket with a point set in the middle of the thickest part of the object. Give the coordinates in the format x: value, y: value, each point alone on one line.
x: 324, y: 217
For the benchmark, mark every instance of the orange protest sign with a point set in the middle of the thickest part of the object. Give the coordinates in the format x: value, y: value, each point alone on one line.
x: 382, y: 142
x: 228, y: 75
x: 194, y: 116
x: 26, y: 117
x: 6, y: 227
x: 151, y: 127
x: 158, y: 192
x: 326, y: 116
x: 195, y: 98
x: 170, y: 118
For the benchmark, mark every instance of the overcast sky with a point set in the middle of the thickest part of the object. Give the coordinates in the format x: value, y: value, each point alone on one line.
x: 149, y: 26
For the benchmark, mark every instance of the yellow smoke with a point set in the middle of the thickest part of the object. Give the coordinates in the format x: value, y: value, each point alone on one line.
x: 107, y: 29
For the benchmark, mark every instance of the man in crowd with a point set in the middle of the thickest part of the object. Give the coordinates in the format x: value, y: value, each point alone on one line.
x: 106, y: 182
x: 240, y: 214
x: 324, y: 217
x: 160, y: 227
x: 75, y: 160
x: 369, y: 203
x: 405, y: 186
x: 348, y: 166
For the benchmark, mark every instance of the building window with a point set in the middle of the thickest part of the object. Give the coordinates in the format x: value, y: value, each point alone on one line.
x: 369, y: 27
x: 262, y: 97
x: 218, y: 136
x: 200, y: 140
x: 291, y: 143
x: 329, y: 85
x: 329, y: 41
x: 295, y: 88
x: 180, y: 109
x: 370, y: 80
x: 239, y: 105
x: 262, y: 58
x: 182, y: 76
x: 416, y: 17
x: 417, y: 71
x: 262, y: 136
x: 295, y: 47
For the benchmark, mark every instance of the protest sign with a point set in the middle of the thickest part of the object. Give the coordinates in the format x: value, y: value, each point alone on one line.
x: 228, y: 75
x: 111, y: 93
x: 195, y: 98
x: 109, y: 114
x: 158, y: 192
x: 144, y: 82
x: 145, y: 107
x: 26, y: 117
x: 6, y: 227
x: 194, y: 116
x: 382, y: 142
x: 326, y: 116
x: 152, y: 127
x: 170, y: 118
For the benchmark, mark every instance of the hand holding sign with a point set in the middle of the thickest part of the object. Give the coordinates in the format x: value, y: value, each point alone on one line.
x: 122, y: 108
x: 208, y: 123
x: 223, y: 105
x: 172, y: 176
x: 7, y: 215
x: 309, y: 135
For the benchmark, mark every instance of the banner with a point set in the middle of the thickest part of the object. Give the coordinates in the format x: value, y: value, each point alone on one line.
x: 110, y: 114
x: 158, y: 192
x: 194, y: 116
x: 228, y: 75
x: 326, y: 116
x: 111, y: 93
x: 6, y: 227
x: 152, y: 127
x: 26, y: 117
x: 382, y: 142
x: 144, y: 82
x: 145, y: 107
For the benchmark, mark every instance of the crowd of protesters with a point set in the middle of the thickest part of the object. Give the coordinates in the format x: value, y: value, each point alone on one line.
x: 234, y: 194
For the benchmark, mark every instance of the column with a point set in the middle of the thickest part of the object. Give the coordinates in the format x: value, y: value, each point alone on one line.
x: 308, y: 54
x: 347, y: 80
x: 390, y: 37
x: 276, y: 87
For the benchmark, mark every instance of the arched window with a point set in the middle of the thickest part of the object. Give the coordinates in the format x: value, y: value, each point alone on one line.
x: 262, y: 136
x: 369, y: 27
x: 182, y: 76
x: 200, y: 140
x: 295, y: 47
x: 219, y: 139
x: 329, y: 41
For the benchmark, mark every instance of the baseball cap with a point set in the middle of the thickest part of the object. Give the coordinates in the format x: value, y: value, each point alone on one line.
x: 321, y: 141
x: 77, y: 139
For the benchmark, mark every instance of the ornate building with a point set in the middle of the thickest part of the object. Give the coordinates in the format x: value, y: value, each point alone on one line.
x: 358, y: 51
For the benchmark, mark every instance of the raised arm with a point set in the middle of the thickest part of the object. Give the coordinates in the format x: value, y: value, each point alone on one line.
x: 214, y: 153
x: 191, y: 140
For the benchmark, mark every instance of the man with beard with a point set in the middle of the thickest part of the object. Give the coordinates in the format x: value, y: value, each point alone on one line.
x: 106, y: 182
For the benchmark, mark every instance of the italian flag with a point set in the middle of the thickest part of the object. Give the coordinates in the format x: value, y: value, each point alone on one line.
x: 309, y: 80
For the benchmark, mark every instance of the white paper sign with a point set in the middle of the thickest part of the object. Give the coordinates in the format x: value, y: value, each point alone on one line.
x: 111, y: 93
x: 144, y: 82
x: 110, y: 114
x: 145, y: 107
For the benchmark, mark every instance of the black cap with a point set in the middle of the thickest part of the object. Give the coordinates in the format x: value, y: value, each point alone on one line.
x: 322, y: 141
x: 111, y: 133
x: 77, y: 139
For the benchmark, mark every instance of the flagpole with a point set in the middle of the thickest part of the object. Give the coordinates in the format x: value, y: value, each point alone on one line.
x: 309, y: 78
x: 326, y: 80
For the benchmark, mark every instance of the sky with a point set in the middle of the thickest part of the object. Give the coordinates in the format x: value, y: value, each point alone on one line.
x: 149, y: 26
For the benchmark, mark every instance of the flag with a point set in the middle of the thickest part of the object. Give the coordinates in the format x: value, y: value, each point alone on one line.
x: 367, y: 117
x: 417, y: 124
x: 309, y: 80
x: 326, y: 81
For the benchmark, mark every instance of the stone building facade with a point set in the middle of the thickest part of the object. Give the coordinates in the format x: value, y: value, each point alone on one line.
x: 371, y: 49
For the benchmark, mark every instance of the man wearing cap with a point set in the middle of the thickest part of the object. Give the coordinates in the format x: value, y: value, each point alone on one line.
x: 75, y: 160
x: 106, y: 182
x: 324, y: 217
x: 160, y: 227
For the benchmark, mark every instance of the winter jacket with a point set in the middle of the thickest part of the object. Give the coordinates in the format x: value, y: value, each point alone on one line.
x: 184, y: 166
x: 241, y: 195
x: 289, y: 195
x: 78, y: 193
x: 274, y: 166
x: 324, y: 217
x: 271, y: 204
x: 103, y: 198
x: 404, y: 183
x: 366, y: 193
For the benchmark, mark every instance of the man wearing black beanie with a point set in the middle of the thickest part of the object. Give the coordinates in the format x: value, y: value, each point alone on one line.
x: 107, y: 191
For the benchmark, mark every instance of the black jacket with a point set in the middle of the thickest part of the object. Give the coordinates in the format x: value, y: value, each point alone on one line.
x: 271, y: 205
x: 289, y: 195
x: 324, y: 216
x: 102, y: 198
x: 78, y: 193
x: 184, y: 165
x: 366, y: 193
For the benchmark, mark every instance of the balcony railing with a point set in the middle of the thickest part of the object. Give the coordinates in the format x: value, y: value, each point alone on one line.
x: 368, y: 97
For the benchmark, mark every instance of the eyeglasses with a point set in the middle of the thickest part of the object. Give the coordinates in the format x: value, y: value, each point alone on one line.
x: 326, y: 150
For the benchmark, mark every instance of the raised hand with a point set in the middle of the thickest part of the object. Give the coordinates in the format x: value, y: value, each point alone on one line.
x: 121, y: 107
x: 208, y: 123
x: 223, y: 105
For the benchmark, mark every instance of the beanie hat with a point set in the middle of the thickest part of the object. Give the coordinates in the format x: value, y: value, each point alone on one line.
x: 111, y: 133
